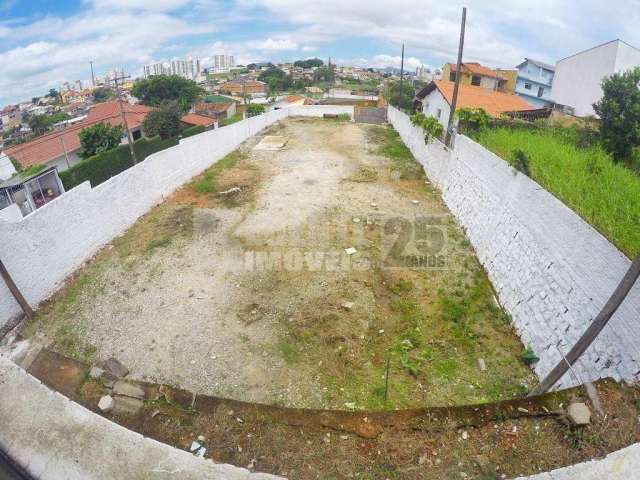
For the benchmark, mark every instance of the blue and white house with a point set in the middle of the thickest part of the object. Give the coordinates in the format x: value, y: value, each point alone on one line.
x: 534, y: 82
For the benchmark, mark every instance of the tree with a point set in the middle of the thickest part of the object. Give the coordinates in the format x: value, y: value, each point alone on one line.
x: 324, y: 74
x: 254, y: 109
x: 164, y: 122
x: 309, y: 63
x: 101, y: 94
x: 53, y: 93
x: 99, y: 138
x: 400, y: 97
x: 38, y: 124
x: 166, y: 88
x: 619, y: 111
x: 276, y: 79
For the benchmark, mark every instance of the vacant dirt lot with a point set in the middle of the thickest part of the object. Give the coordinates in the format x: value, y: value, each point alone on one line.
x: 255, y: 294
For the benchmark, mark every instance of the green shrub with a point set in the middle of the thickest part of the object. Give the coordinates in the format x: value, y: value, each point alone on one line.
x: 343, y: 116
x: 101, y: 167
x: 195, y: 130
x: 229, y: 120
x: 430, y: 125
x: 474, y: 119
x: 529, y: 357
x: 521, y: 162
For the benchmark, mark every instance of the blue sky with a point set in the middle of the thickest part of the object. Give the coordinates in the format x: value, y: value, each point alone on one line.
x: 44, y: 43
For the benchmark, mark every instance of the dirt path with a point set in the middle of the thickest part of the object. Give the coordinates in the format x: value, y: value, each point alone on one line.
x: 254, y: 297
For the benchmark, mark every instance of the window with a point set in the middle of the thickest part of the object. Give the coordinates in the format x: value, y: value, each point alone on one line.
x: 438, y: 113
x: 452, y: 76
x: 475, y: 80
x: 540, y: 91
x: 527, y: 86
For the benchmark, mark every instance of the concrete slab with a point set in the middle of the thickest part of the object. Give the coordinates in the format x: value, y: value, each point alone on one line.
x: 272, y: 142
x: 53, y: 437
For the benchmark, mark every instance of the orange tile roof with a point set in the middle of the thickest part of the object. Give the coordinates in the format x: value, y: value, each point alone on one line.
x: 212, y: 107
x: 195, y: 119
x: 470, y: 96
x: 475, y: 68
x: 293, y: 98
x: 46, y: 147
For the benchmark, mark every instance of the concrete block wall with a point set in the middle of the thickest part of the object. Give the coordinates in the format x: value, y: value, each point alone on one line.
x: 43, y: 248
x: 552, y: 271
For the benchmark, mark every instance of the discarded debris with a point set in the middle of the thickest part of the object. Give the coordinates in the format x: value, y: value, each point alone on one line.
x: 579, y: 414
x: 415, y: 202
x: 127, y: 405
x: 350, y: 250
x: 231, y: 191
x: 356, y: 220
x: 106, y: 403
x: 481, y: 365
x: 465, y: 435
x: 197, y: 449
x: 128, y: 389
x: 114, y: 367
x: 96, y: 372
x: 347, y: 306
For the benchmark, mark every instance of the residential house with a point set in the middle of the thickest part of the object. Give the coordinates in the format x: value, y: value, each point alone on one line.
x: 193, y: 119
x: 10, y: 117
x: 243, y: 86
x: 577, y: 80
x: 61, y: 148
x: 436, y: 97
x: 472, y: 73
x: 216, y: 111
x: 534, y: 82
x: 509, y: 78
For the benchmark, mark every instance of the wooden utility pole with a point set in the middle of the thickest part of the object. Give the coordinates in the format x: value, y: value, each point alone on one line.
x: 13, y: 288
x: 124, y: 119
x: 456, y: 85
x: 592, y: 332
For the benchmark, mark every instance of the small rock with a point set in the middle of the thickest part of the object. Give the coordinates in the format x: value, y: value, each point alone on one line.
x: 579, y: 414
x: 465, y: 435
x: 127, y: 405
x: 415, y: 202
x: 347, y: 305
x: 351, y: 405
x: 114, y: 367
x: 106, y: 403
x: 356, y: 220
x: 374, y: 204
x: 201, y: 438
x: 367, y: 430
x: 350, y: 250
x: 96, y: 372
x: 523, y: 410
x: 128, y: 389
x: 481, y: 365
x: 344, y: 437
x: 381, y: 331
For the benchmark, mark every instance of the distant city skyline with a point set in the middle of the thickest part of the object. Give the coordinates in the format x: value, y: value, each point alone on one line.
x: 44, y: 44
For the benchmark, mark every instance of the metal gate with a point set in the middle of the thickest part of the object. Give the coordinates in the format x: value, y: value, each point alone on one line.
x: 370, y: 114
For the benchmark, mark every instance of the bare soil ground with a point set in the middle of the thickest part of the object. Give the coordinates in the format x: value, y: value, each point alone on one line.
x: 251, y: 295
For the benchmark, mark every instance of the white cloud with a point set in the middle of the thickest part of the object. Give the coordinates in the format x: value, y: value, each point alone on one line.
x: 309, y: 48
x: 275, y: 45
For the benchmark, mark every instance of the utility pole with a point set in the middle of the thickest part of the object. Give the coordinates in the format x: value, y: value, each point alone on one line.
x: 592, y: 332
x: 124, y: 118
x: 26, y: 308
x: 401, y: 70
x: 93, y: 79
x: 454, y: 100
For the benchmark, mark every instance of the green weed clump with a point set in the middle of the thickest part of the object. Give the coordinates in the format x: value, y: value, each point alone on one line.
x: 605, y: 194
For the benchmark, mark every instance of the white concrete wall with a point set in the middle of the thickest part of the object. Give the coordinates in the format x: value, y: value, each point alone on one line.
x: 11, y: 213
x: 44, y: 247
x: 7, y: 170
x: 551, y: 270
x: 577, y: 79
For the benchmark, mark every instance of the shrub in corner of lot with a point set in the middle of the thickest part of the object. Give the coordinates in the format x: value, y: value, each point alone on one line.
x: 619, y: 111
x: 430, y: 125
x: 343, y: 116
x: 529, y: 357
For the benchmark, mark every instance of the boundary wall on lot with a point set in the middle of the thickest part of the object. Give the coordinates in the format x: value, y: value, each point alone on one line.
x: 43, y: 248
x: 551, y: 270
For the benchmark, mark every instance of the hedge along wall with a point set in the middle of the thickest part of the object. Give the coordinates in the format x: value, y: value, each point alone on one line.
x: 551, y: 270
x: 101, y: 167
x: 43, y: 248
